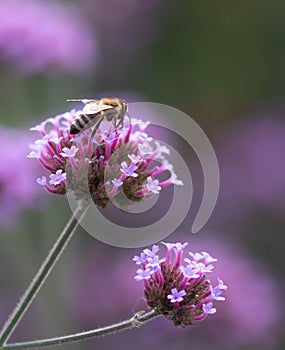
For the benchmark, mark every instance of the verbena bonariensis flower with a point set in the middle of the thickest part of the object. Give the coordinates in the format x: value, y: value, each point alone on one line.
x: 120, y: 165
x: 251, y: 170
x: 182, y: 293
x: 17, y: 187
x: 45, y: 36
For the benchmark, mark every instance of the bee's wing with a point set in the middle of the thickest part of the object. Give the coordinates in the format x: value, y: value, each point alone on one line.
x: 93, y: 107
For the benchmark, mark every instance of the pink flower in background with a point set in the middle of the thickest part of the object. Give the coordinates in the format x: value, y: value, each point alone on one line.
x: 252, y: 166
x: 18, y: 190
x: 39, y: 36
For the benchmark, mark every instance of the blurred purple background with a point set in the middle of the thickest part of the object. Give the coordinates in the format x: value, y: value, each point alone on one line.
x: 222, y: 64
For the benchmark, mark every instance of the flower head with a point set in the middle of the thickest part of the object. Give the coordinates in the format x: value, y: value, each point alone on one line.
x: 181, y: 293
x: 18, y: 190
x: 116, y: 164
x: 60, y: 33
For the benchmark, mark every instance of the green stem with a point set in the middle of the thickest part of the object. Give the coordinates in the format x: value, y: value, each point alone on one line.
x: 41, y: 275
x: 138, y: 320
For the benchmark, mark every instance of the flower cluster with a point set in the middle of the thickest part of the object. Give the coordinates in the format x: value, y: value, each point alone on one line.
x: 252, y: 143
x: 181, y: 293
x: 120, y: 165
x: 18, y: 190
x: 36, y: 36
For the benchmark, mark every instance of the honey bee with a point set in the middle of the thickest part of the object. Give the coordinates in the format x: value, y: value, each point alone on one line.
x: 95, y: 111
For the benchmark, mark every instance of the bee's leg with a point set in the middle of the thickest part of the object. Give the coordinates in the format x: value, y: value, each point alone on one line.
x: 119, y: 122
x: 114, y: 121
x: 121, y: 119
x: 129, y: 118
x: 96, y: 127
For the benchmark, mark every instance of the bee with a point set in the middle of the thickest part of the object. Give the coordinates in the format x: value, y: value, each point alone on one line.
x: 95, y: 111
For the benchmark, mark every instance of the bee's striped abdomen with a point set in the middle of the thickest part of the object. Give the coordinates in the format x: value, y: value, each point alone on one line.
x: 80, y: 123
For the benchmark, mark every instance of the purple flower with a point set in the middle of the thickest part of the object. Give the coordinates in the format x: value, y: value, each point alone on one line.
x: 116, y: 184
x: 18, y: 190
x: 110, y: 165
x: 251, y: 313
x: 42, y: 180
x: 152, y: 185
x: 173, y: 290
x: 144, y: 148
x: 252, y: 168
x: 69, y: 152
x: 134, y: 159
x: 151, y: 253
x: 57, y: 178
x: 143, y: 274
x: 154, y: 263
x: 140, y: 259
x: 39, y: 36
x: 128, y: 170
x: 175, y: 296
x: 189, y: 271
x: 216, y: 293
x: 209, y: 309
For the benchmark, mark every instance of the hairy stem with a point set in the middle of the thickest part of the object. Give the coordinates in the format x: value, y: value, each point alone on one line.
x: 138, y: 320
x: 41, y: 275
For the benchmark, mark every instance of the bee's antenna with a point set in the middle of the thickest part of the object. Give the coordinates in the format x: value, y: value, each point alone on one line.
x: 83, y: 100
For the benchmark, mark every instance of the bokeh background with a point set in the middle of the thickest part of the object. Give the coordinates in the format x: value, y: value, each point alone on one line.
x: 220, y: 62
